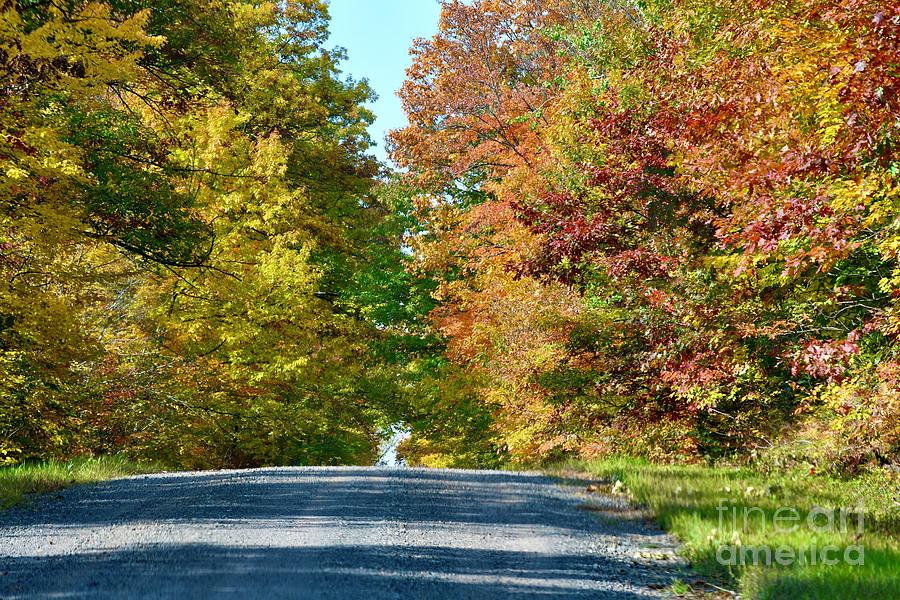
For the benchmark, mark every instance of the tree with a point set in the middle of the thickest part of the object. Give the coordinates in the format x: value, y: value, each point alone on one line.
x: 661, y: 228
x: 186, y: 193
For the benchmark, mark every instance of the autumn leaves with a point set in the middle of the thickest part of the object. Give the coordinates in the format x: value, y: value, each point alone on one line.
x: 667, y: 228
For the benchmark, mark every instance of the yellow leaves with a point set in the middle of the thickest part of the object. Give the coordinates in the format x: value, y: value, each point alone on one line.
x: 811, y: 68
x: 65, y: 167
x: 15, y: 173
x: 50, y: 158
x: 252, y: 15
x: 10, y: 30
x: 830, y: 129
x: 847, y: 195
x: 287, y: 267
x: 107, y: 48
x: 101, y: 138
x: 216, y: 139
x: 270, y: 157
x: 886, y: 210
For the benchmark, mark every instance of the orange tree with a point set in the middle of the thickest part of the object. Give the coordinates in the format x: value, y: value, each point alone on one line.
x: 665, y: 228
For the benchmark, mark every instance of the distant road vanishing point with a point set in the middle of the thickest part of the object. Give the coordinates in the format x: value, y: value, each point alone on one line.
x: 347, y: 533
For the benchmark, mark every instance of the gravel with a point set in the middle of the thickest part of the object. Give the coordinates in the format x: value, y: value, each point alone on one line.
x: 367, y: 533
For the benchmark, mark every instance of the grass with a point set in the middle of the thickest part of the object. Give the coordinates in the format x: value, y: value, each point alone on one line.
x: 711, y: 508
x: 19, y: 482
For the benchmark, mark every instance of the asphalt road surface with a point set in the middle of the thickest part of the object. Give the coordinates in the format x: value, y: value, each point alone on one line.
x: 356, y: 533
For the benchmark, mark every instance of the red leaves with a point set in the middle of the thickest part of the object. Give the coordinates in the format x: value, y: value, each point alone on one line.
x: 793, y: 218
x: 826, y: 359
x: 570, y: 234
x: 699, y: 370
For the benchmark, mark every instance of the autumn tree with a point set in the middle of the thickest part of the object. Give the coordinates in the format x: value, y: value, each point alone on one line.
x: 664, y: 228
x: 187, y: 203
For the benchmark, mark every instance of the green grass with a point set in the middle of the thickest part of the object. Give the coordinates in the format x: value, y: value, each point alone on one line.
x: 688, y: 499
x: 18, y: 482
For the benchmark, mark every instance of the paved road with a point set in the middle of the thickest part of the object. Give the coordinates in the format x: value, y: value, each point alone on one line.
x: 353, y: 533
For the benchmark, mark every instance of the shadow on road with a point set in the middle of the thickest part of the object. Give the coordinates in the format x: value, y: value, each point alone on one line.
x: 318, y: 572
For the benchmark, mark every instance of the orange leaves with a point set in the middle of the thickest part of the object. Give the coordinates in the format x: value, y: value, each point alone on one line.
x: 472, y: 89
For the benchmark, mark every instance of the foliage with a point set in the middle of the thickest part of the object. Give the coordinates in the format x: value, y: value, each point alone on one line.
x: 184, y: 210
x: 666, y: 227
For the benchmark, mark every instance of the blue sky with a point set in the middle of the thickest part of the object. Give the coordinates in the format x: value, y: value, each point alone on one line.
x: 377, y: 35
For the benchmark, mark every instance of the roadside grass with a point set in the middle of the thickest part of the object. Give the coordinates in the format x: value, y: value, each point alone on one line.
x: 711, y: 508
x: 18, y: 482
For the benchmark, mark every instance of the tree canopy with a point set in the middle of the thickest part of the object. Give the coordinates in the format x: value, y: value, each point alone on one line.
x: 661, y: 227
x: 187, y: 194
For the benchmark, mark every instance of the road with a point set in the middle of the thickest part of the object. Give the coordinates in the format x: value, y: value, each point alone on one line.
x: 352, y: 533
